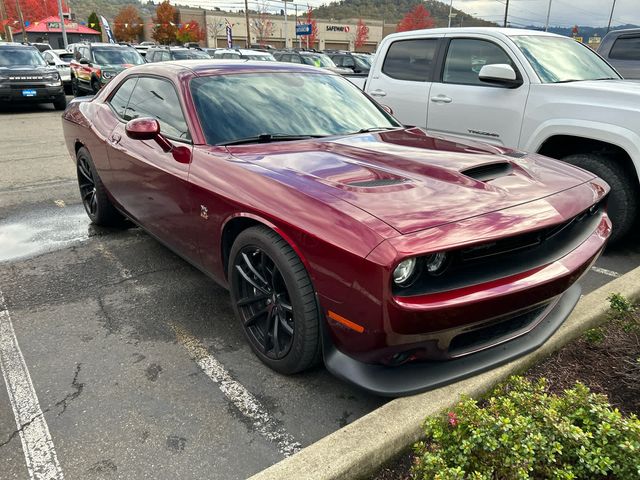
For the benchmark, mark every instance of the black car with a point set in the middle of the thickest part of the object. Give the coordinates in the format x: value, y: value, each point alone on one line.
x: 163, y: 54
x: 357, y: 62
x: 25, y: 77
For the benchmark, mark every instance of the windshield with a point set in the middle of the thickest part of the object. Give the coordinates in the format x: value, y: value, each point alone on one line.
x: 318, y: 60
x: 282, y: 104
x: 558, y: 59
x: 263, y: 58
x: 117, y: 56
x: 363, y: 61
x: 20, y: 56
x: 189, y: 54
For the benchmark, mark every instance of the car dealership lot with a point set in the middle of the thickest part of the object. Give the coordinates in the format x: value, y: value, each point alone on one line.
x: 139, y: 367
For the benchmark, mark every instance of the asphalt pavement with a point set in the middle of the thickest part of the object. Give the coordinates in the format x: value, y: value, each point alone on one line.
x: 138, y: 367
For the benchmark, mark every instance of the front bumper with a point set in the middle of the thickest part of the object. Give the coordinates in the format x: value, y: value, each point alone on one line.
x: 413, y: 378
x: 44, y: 94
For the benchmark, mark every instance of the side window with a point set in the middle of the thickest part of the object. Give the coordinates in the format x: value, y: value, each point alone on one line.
x: 626, y: 48
x: 149, y: 56
x: 296, y: 59
x: 337, y: 60
x: 156, y: 98
x: 465, y: 58
x: 348, y: 62
x: 47, y: 56
x: 411, y: 60
x: 120, y: 99
x: 166, y: 56
x: 86, y: 53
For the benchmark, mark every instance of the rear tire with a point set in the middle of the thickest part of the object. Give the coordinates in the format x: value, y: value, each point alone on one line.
x: 623, y: 199
x: 274, y: 300
x: 94, y: 196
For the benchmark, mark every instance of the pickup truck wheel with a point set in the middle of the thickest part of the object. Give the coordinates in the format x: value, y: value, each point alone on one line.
x: 623, y: 199
x: 274, y: 300
x: 94, y: 196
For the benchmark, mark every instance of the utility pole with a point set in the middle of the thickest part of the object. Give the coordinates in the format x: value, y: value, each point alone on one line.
x: 450, y: 10
x: 286, y: 27
x: 246, y: 19
x: 62, y: 26
x: 546, y: 25
x: 611, y: 16
x: 24, y: 32
x: 506, y: 12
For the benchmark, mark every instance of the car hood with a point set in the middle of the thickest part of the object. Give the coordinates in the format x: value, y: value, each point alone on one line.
x: 412, y: 181
x: 26, y: 70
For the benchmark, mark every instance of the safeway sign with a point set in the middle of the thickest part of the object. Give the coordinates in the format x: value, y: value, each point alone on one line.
x: 303, y: 29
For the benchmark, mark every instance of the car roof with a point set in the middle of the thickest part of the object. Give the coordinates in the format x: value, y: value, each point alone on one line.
x: 623, y: 31
x: 495, y: 31
x: 16, y: 44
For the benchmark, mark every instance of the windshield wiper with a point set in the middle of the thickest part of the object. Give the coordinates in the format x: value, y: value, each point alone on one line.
x: 373, y: 129
x: 568, y: 80
x: 267, y: 138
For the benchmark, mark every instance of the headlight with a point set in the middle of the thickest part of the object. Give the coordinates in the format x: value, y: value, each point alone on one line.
x: 52, y: 77
x: 108, y: 75
x: 404, y: 271
x: 435, y: 263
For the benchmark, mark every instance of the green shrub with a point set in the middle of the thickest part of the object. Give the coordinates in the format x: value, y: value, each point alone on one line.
x: 523, y: 432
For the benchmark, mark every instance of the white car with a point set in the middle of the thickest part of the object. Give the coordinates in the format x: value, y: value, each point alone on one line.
x: 242, y: 54
x: 522, y: 89
x: 61, y: 59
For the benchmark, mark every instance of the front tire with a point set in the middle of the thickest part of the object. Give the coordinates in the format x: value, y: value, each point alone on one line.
x: 75, y: 87
x: 60, y: 103
x: 94, y: 196
x: 274, y: 300
x: 623, y: 199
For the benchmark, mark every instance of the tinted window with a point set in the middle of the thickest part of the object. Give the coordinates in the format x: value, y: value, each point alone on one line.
x: 626, y: 48
x: 117, y: 56
x: 324, y: 105
x: 120, y: 99
x: 150, y: 56
x: 153, y: 97
x: 466, y: 57
x: 348, y: 62
x: 410, y: 60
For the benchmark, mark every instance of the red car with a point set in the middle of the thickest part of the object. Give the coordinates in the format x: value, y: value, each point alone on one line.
x: 406, y: 261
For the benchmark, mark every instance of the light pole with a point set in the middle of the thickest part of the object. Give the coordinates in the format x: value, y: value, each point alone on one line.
x: 506, y: 12
x: 62, y: 26
x: 546, y: 24
x: 246, y: 20
x: 450, y: 10
x: 286, y: 27
x: 611, y: 16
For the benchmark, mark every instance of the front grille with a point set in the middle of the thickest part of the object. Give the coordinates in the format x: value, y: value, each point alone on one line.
x: 26, y: 86
x: 509, y: 256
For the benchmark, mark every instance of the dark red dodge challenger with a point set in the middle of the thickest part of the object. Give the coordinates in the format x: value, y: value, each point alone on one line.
x: 405, y: 260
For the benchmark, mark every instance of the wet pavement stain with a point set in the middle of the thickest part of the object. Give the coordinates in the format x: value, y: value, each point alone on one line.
x: 34, y: 232
x: 176, y: 443
x: 103, y: 466
x: 153, y: 372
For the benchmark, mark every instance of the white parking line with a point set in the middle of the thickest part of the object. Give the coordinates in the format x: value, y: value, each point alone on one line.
x: 249, y: 405
x: 604, y: 271
x: 37, y: 445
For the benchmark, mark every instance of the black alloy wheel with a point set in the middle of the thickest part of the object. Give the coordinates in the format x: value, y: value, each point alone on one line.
x: 274, y: 300
x: 94, y: 196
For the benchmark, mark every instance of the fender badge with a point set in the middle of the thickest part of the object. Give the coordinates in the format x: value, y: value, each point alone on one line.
x: 204, y: 212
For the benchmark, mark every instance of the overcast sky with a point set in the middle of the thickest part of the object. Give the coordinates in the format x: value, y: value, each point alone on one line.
x: 521, y: 12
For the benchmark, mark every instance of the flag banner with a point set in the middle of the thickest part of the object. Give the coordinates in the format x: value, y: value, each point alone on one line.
x: 229, y: 34
x: 107, y: 29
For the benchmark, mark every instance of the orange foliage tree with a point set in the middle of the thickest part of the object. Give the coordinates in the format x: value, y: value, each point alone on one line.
x: 32, y: 10
x: 190, y: 32
x: 314, y: 29
x: 362, y: 34
x: 165, y: 29
x: 127, y: 24
x: 417, y: 18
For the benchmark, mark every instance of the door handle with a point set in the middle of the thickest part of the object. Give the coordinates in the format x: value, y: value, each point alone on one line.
x: 378, y: 93
x: 115, y: 138
x: 441, y: 99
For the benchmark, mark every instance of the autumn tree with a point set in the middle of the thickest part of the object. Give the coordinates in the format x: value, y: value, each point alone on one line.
x: 311, y: 39
x: 94, y: 22
x: 362, y: 34
x: 190, y: 32
x: 215, y: 28
x: 165, y: 28
x: 33, y: 10
x: 417, y: 18
x: 127, y: 24
x: 262, y: 27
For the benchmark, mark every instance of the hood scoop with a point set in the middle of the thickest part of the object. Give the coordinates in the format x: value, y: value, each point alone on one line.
x: 487, y: 172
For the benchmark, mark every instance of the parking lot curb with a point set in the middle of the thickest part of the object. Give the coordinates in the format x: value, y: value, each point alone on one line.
x: 362, y: 447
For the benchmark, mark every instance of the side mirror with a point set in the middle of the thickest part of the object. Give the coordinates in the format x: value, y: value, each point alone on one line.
x: 146, y: 128
x: 499, y: 74
x: 84, y: 61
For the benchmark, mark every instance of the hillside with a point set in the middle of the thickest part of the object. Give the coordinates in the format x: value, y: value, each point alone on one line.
x: 392, y: 11
x: 108, y: 8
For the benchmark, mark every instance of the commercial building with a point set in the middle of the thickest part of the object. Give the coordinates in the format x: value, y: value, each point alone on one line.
x: 270, y: 30
x: 49, y: 31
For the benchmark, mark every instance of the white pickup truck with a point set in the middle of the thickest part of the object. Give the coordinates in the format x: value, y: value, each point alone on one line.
x: 527, y: 90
